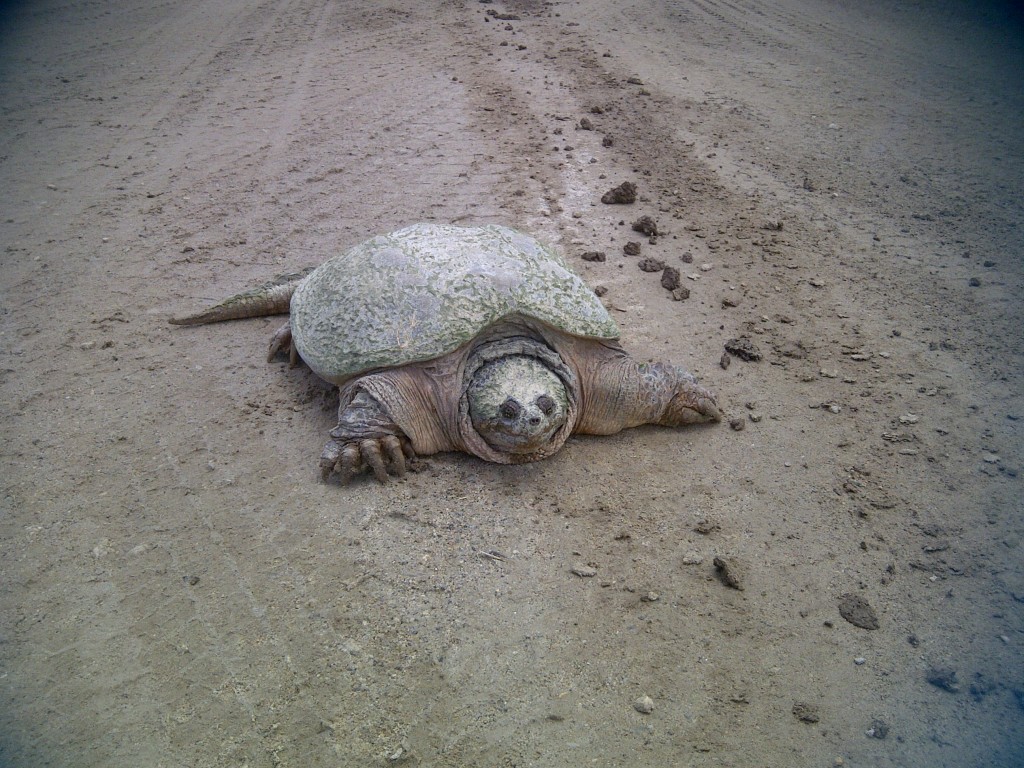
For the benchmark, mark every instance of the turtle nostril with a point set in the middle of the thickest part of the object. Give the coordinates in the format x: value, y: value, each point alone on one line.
x: 534, y: 421
x: 509, y: 409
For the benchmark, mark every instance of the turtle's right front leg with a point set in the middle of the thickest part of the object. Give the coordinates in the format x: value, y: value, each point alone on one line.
x: 366, y: 436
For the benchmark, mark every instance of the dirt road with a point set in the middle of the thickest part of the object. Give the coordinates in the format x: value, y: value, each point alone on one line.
x: 839, y: 183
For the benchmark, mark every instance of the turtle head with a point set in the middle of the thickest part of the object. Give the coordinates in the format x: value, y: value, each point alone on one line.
x: 517, y: 404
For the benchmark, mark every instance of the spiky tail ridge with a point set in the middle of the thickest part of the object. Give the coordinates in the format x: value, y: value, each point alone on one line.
x: 272, y: 298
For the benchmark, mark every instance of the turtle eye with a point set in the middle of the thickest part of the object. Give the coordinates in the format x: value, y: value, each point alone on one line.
x: 509, y: 409
x: 546, y: 404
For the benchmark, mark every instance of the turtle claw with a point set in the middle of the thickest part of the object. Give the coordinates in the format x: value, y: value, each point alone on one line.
x: 281, y: 341
x: 385, y: 456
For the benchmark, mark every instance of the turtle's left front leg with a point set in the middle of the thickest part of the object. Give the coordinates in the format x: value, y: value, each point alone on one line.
x: 366, y: 436
x: 622, y: 393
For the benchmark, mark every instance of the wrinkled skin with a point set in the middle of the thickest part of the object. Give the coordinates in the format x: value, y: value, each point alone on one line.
x: 501, y: 411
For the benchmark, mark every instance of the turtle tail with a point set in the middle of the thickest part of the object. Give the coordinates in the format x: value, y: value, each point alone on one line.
x: 272, y: 298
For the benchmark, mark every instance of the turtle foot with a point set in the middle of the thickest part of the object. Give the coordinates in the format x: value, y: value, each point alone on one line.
x: 281, y: 341
x: 386, y: 457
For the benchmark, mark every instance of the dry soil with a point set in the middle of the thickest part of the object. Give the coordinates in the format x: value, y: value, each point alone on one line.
x: 839, y: 582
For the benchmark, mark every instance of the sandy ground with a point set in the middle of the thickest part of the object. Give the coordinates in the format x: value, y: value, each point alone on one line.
x: 840, y: 182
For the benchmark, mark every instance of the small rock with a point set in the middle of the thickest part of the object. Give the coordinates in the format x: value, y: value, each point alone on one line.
x: 607, y: 141
x: 805, y: 713
x: 600, y: 290
x: 974, y: 282
x: 583, y: 571
x: 692, y: 558
x: 651, y: 264
x: 631, y: 248
x: 756, y: 416
x: 624, y: 194
x: 909, y: 418
x: 730, y: 302
x: 670, y: 278
x: 856, y: 610
x: 585, y: 124
x: 737, y: 425
x: 680, y: 294
x: 594, y: 256
x: 725, y: 360
x: 650, y: 597
x: 644, y: 705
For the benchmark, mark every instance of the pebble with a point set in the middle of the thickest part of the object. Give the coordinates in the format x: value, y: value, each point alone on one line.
x: 909, y: 418
x: 644, y: 705
x: 859, y: 661
x: 829, y: 374
x: 692, y: 558
x: 583, y: 571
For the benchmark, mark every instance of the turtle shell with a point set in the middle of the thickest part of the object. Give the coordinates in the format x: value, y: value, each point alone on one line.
x: 423, y: 291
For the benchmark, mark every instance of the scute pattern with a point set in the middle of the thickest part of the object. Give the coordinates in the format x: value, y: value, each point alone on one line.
x: 425, y: 290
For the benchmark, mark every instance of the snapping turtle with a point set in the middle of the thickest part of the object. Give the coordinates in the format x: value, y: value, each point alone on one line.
x: 475, y: 339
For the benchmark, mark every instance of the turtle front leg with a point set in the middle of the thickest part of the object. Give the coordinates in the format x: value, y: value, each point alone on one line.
x: 623, y: 393
x: 366, y: 437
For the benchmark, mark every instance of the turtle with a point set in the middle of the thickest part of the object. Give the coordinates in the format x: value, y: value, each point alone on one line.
x: 461, y: 338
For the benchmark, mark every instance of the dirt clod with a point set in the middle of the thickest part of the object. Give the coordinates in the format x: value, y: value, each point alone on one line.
x: 943, y: 677
x: 805, y: 713
x: 856, y: 610
x: 624, y: 194
x: 670, y: 278
x: 646, y: 225
x: 729, y: 573
x: 743, y: 348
